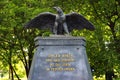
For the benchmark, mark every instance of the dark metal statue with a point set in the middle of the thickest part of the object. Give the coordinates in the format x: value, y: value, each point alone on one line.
x: 59, y: 23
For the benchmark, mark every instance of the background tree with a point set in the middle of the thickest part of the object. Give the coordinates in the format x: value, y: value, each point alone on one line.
x: 107, y: 12
x: 103, y: 45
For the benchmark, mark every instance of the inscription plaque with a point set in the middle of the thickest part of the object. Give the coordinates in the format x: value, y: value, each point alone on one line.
x: 60, y: 58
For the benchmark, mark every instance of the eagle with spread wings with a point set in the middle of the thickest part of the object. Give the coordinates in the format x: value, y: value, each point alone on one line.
x: 60, y: 23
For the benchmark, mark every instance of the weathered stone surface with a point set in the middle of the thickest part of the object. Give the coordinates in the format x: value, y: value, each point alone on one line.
x: 60, y: 58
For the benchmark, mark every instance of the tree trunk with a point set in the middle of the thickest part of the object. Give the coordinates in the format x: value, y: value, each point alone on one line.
x: 109, y: 75
x: 10, y: 65
x: 27, y: 70
x: 9, y: 73
x: 11, y: 76
x: 15, y: 73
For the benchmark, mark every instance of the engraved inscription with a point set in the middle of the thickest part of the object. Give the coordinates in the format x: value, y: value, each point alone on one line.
x: 60, y: 62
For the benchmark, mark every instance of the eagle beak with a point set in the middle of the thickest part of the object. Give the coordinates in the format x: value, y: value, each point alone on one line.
x: 55, y: 8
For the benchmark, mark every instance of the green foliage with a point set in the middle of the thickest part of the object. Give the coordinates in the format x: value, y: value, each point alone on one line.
x: 103, y: 45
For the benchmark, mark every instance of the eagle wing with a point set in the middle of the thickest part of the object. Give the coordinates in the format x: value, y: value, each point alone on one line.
x: 77, y: 21
x: 42, y: 21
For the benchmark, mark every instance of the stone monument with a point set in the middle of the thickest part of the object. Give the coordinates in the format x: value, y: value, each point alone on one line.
x: 60, y: 57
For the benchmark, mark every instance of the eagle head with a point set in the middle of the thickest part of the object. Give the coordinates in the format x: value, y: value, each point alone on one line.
x: 59, y: 10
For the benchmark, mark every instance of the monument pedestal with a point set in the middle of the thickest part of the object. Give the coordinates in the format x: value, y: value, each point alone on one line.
x: 60, y: 58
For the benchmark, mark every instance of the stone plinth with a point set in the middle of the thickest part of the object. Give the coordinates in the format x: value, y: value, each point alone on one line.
x: 60, y: 58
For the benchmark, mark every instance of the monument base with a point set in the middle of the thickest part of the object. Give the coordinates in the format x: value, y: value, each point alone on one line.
x: 60, y: 58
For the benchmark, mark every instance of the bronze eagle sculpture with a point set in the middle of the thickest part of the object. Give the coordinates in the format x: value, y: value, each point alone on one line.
x: 59, y: 23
